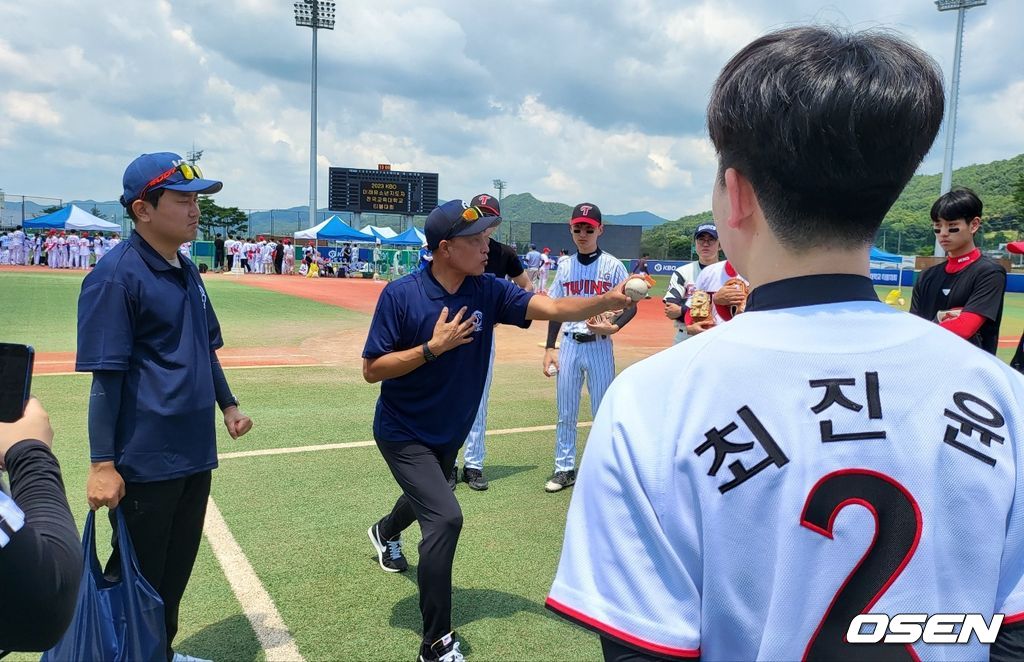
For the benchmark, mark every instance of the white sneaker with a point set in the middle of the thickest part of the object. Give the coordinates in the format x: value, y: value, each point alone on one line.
x: 181, y: 657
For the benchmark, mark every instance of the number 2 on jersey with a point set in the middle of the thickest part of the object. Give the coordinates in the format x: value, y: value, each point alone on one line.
x: 897, y: 532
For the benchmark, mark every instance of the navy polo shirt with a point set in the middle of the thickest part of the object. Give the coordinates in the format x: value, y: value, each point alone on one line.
x: 437, y: 402
x: 140, y: 315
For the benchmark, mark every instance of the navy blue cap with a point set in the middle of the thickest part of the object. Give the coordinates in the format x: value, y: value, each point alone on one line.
x: 148, y: 167
x: 447, y: 222
x: 706, y: 228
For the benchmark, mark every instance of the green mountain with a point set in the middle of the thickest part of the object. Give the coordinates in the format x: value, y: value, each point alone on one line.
x: 907, y: 227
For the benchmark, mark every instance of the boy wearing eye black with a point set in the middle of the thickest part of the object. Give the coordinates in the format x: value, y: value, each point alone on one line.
x: 586, y: 347
x: 964, y: 295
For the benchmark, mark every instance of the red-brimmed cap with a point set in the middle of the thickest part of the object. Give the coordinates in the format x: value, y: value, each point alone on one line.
x: 586, y: 212
x: 486, y: 202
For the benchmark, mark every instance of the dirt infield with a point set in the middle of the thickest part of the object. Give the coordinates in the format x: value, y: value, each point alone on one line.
x: 648, y: 333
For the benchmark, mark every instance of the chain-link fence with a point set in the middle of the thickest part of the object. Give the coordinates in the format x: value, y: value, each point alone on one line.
x: 16, y: 209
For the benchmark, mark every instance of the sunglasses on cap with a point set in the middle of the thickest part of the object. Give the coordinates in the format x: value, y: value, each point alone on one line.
x: 188, y: 171
x: 468, y: 215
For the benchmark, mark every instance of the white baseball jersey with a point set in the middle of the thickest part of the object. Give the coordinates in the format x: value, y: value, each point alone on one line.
x: 575, y: 279
x: 711, y: 279
x: 745, y: 494
x: 681, y: 287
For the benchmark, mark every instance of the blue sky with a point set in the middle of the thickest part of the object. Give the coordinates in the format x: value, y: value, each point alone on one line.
x: 567, y: 99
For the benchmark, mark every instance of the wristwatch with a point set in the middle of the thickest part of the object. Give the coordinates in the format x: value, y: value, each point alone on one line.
x: 428, y: 356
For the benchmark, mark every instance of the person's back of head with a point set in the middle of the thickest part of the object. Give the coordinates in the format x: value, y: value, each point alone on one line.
x: 827, y: 126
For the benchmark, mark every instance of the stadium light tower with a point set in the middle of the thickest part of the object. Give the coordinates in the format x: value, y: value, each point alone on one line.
x: 961, y: 7
x: 318, y: 15
x: 500, y: 185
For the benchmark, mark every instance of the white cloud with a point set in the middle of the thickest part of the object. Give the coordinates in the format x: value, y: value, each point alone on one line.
x: 30, y: 109
x: 570, y: 100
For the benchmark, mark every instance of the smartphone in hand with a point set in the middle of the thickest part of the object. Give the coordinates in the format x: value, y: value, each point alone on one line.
x: 15, y: 380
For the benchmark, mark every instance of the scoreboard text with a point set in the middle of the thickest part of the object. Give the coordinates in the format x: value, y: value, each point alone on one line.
x: 382, y: 191
x: 384, y: 197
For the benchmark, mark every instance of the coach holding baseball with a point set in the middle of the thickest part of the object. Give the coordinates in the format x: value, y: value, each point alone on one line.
x: 429, y: 345
x: 148, y: 334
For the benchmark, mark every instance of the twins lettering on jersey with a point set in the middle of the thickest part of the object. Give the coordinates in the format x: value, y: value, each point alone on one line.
x: 575, y: 288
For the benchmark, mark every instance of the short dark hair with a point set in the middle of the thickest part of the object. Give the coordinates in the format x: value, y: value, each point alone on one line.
x: 959, y: 203
x: 827, y: 126
x: 152, y: 197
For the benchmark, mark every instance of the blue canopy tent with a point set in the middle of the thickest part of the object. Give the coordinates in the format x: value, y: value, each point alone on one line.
x: 71, y: 218
x: 878, y: 255
x: 335, y: 229
x: 411, y: 237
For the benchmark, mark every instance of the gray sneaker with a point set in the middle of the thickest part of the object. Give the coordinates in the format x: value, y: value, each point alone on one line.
x: 560, y: 481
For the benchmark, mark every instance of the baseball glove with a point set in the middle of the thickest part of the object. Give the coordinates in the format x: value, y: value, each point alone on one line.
x: 700, y: 306
x: 741, y: 285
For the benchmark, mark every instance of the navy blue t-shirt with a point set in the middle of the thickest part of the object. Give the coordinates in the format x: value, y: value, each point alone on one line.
x: 437, y: 402
x: 153, y: 321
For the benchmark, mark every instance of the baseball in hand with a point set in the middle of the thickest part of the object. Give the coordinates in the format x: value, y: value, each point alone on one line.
x: 552, y: 369
x: 636, y: 288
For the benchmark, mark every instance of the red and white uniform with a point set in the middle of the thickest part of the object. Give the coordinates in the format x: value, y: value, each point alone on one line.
x: 711, y: 279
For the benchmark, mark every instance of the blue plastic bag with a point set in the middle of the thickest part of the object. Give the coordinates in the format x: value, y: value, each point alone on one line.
x: 117, y: 621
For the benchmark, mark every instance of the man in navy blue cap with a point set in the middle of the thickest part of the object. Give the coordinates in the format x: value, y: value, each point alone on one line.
x: 148, y: 334
x: 429, y: 345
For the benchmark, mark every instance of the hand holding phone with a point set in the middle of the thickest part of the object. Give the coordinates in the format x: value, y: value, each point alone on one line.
x: 15, y: 380
x: 35, y: 424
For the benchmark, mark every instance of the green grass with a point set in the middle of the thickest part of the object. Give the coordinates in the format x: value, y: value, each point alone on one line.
x: 301, y: 518
x: 41, y: 310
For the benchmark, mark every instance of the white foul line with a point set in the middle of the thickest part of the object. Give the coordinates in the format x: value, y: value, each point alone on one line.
x: 259, y: 608
x: 361, y: 444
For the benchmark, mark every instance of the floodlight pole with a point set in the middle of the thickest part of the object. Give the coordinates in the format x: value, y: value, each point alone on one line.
x: 961, y: 7
x: 500, y: 185
x: 318, y: 15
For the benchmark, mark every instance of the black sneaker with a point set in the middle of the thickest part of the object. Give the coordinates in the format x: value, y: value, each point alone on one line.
x: 474, y: 478
x: 560, y: 481
x: 445, y: 649
x: 453, y: 477
x: 389, y: 552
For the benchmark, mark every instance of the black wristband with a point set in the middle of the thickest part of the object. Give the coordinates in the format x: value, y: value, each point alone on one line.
x: 428, y: 355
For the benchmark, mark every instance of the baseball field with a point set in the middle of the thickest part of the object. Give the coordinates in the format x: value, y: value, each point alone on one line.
x: 286, y: 570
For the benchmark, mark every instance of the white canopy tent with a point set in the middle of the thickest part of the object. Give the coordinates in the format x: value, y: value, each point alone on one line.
x: 383, y: 233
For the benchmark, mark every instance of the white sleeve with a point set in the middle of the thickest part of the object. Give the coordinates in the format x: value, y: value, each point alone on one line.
x: 621, y: 572
x: 676, y: 290
x: 619, y: 273
x: 556, y: 291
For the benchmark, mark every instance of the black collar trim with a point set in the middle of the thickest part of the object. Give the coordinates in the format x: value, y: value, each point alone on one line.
x: 589, y: 258
x: 811, y: 291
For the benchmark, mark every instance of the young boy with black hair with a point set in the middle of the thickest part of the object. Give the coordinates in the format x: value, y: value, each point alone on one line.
x: 965, y: 293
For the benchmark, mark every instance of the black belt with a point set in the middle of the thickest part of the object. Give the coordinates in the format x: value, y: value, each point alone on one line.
x: 584, y: 337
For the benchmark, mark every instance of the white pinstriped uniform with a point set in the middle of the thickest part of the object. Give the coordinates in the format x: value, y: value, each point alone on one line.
x: 594, y: 360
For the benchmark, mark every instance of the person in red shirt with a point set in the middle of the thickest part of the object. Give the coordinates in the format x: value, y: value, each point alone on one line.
x: 964, y: 294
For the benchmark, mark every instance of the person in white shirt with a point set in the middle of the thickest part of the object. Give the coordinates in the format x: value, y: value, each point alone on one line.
x: 682, y: 284
x: 823, y: 462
